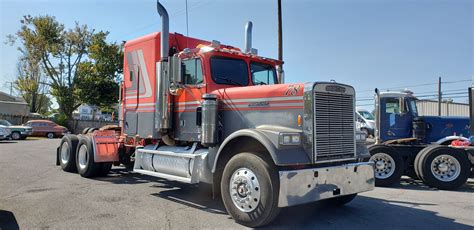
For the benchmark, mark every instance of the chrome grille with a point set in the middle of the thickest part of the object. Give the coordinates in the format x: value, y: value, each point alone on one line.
x: 334, y: 126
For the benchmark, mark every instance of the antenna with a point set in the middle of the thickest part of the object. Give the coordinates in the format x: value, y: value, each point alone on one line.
x: 187, y: 24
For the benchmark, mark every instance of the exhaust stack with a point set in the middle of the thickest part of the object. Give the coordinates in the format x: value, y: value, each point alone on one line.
x: 248, y: 37
x: 163, y: 113
x: 164, y: 43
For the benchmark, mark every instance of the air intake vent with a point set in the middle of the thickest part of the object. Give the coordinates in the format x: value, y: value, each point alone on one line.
x: 334, y: 127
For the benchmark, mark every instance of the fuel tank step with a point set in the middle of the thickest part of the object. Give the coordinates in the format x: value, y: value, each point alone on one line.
x: 184, y: 164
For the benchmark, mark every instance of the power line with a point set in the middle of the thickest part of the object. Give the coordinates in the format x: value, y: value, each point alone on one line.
x: 419, y: 85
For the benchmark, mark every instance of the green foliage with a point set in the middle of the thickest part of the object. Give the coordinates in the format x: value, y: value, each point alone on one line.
x: 62, y: 119
x: 80, y: 65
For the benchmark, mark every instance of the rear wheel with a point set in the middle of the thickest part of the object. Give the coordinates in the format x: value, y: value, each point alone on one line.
x: 50, y: 135
x: 444, y: 167
x: 389, y: 165
x: 105, y: 168
x: 67, y: 153
x: 85, y: 158
x: 249, y: 189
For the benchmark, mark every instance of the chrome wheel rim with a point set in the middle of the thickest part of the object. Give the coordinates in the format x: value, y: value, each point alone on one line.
x: 384, y: 165
x: 83, y: 157
x: 65, y: 153
x: 50, y: 135
x: 244, y: 189
x: 445, y: 168
x: 15, y: 136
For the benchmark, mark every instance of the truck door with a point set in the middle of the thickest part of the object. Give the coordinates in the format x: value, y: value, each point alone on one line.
x: 395, y: 119
x: 188, y: 101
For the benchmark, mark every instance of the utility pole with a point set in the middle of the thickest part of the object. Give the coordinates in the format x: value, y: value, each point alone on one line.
x: 440, y: 96
x: 280, y: 39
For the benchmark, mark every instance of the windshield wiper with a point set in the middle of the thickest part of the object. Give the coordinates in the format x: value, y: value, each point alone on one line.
x: 229, y: 81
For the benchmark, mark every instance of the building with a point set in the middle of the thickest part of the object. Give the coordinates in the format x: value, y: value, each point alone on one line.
x: 91, y: 112
x: 11, y: 105
x: 430, y: 108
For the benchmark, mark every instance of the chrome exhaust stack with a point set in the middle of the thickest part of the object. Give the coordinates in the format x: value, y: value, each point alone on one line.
x: 248, y: 39
x: 377, y: 116
x: 163, y: 113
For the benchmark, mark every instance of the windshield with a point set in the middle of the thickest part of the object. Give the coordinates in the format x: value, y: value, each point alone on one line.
x: 262, y: 74
x: 366, y: 115
x: 229, y: 71
x: 5, y: 122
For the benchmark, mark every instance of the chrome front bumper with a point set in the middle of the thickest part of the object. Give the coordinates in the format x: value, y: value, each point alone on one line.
x: 308, y: 185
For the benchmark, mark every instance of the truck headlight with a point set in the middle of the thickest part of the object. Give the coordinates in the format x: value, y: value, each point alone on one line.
x: 290, y: 139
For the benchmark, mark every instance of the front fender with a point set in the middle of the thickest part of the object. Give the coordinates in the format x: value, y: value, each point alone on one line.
x: 281, y: 156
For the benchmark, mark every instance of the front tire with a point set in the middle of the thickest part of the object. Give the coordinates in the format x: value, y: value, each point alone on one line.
x: 444, y: 167
x: 67, y: 153
x: 86, y: 166
x: 16, y: 136
x: 250, y: 188
x: 389, y: 165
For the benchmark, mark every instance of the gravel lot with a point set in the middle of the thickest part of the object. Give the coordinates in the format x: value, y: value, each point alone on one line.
x: 34, y: 193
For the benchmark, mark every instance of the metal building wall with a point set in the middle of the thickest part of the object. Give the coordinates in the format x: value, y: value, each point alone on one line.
x: 430, y: 108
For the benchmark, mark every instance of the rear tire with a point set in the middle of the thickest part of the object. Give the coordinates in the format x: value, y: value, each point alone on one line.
x: 250, y: 188
x: 444, y: 167
x: 389, y: 165
x: 86, y: 166
x: 105, y: 168
x: 339, y: 201
x: 50, y: 135
x: 67, y: 153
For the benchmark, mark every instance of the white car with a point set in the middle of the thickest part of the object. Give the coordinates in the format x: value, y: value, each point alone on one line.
x: 4, y: 132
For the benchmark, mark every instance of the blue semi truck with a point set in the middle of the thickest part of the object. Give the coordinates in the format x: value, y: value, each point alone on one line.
x: 402, y: 138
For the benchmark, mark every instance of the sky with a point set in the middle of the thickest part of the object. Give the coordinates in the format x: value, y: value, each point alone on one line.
x: 385, y: 44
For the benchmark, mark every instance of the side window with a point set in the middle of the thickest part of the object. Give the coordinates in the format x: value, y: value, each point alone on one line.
x: 262, y: 74
x: 392, y: 106
x: 192, y: 71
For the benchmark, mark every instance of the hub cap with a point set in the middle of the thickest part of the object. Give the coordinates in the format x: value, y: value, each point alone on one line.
x: 445, y: 168
x: 244, y: 190
x: 50, y: 135
x: 65, y: 153
x: 16, y: 136
x: 384, y: 165
x: 83, y: 157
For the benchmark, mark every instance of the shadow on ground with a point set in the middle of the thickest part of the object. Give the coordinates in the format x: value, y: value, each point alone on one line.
x: 362, y: 213
x: 7, y: 142
x: 414, y: 184
x: 8, y: 220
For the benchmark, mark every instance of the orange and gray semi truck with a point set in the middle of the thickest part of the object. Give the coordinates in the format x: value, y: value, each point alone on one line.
x: 195, y: 111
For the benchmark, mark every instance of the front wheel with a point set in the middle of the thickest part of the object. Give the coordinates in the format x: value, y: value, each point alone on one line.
x: 444, y: 167
x: 389, y: 165
x: 250, y: 188
x: 16, y: 136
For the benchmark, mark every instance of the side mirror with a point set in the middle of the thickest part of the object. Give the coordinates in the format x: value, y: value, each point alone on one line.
x: 176, y: 69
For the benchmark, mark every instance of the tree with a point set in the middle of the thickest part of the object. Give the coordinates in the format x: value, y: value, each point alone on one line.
x: 98, y: 77
x: 29, y: 83
x: 64, y: 57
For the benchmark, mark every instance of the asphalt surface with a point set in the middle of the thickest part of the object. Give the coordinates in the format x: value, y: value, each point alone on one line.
x: 34, y: 193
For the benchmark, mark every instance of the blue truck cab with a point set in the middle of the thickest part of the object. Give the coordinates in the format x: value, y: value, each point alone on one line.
x: 419, y: 146
x: 399, y: 119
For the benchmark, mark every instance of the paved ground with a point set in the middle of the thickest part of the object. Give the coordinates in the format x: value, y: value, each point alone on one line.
x: 34, y: 193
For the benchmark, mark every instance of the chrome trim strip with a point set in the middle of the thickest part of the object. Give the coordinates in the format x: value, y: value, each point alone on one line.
x: 290, y: 98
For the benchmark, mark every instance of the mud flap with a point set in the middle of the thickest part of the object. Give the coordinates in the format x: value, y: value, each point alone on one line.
x: 57, y: 156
